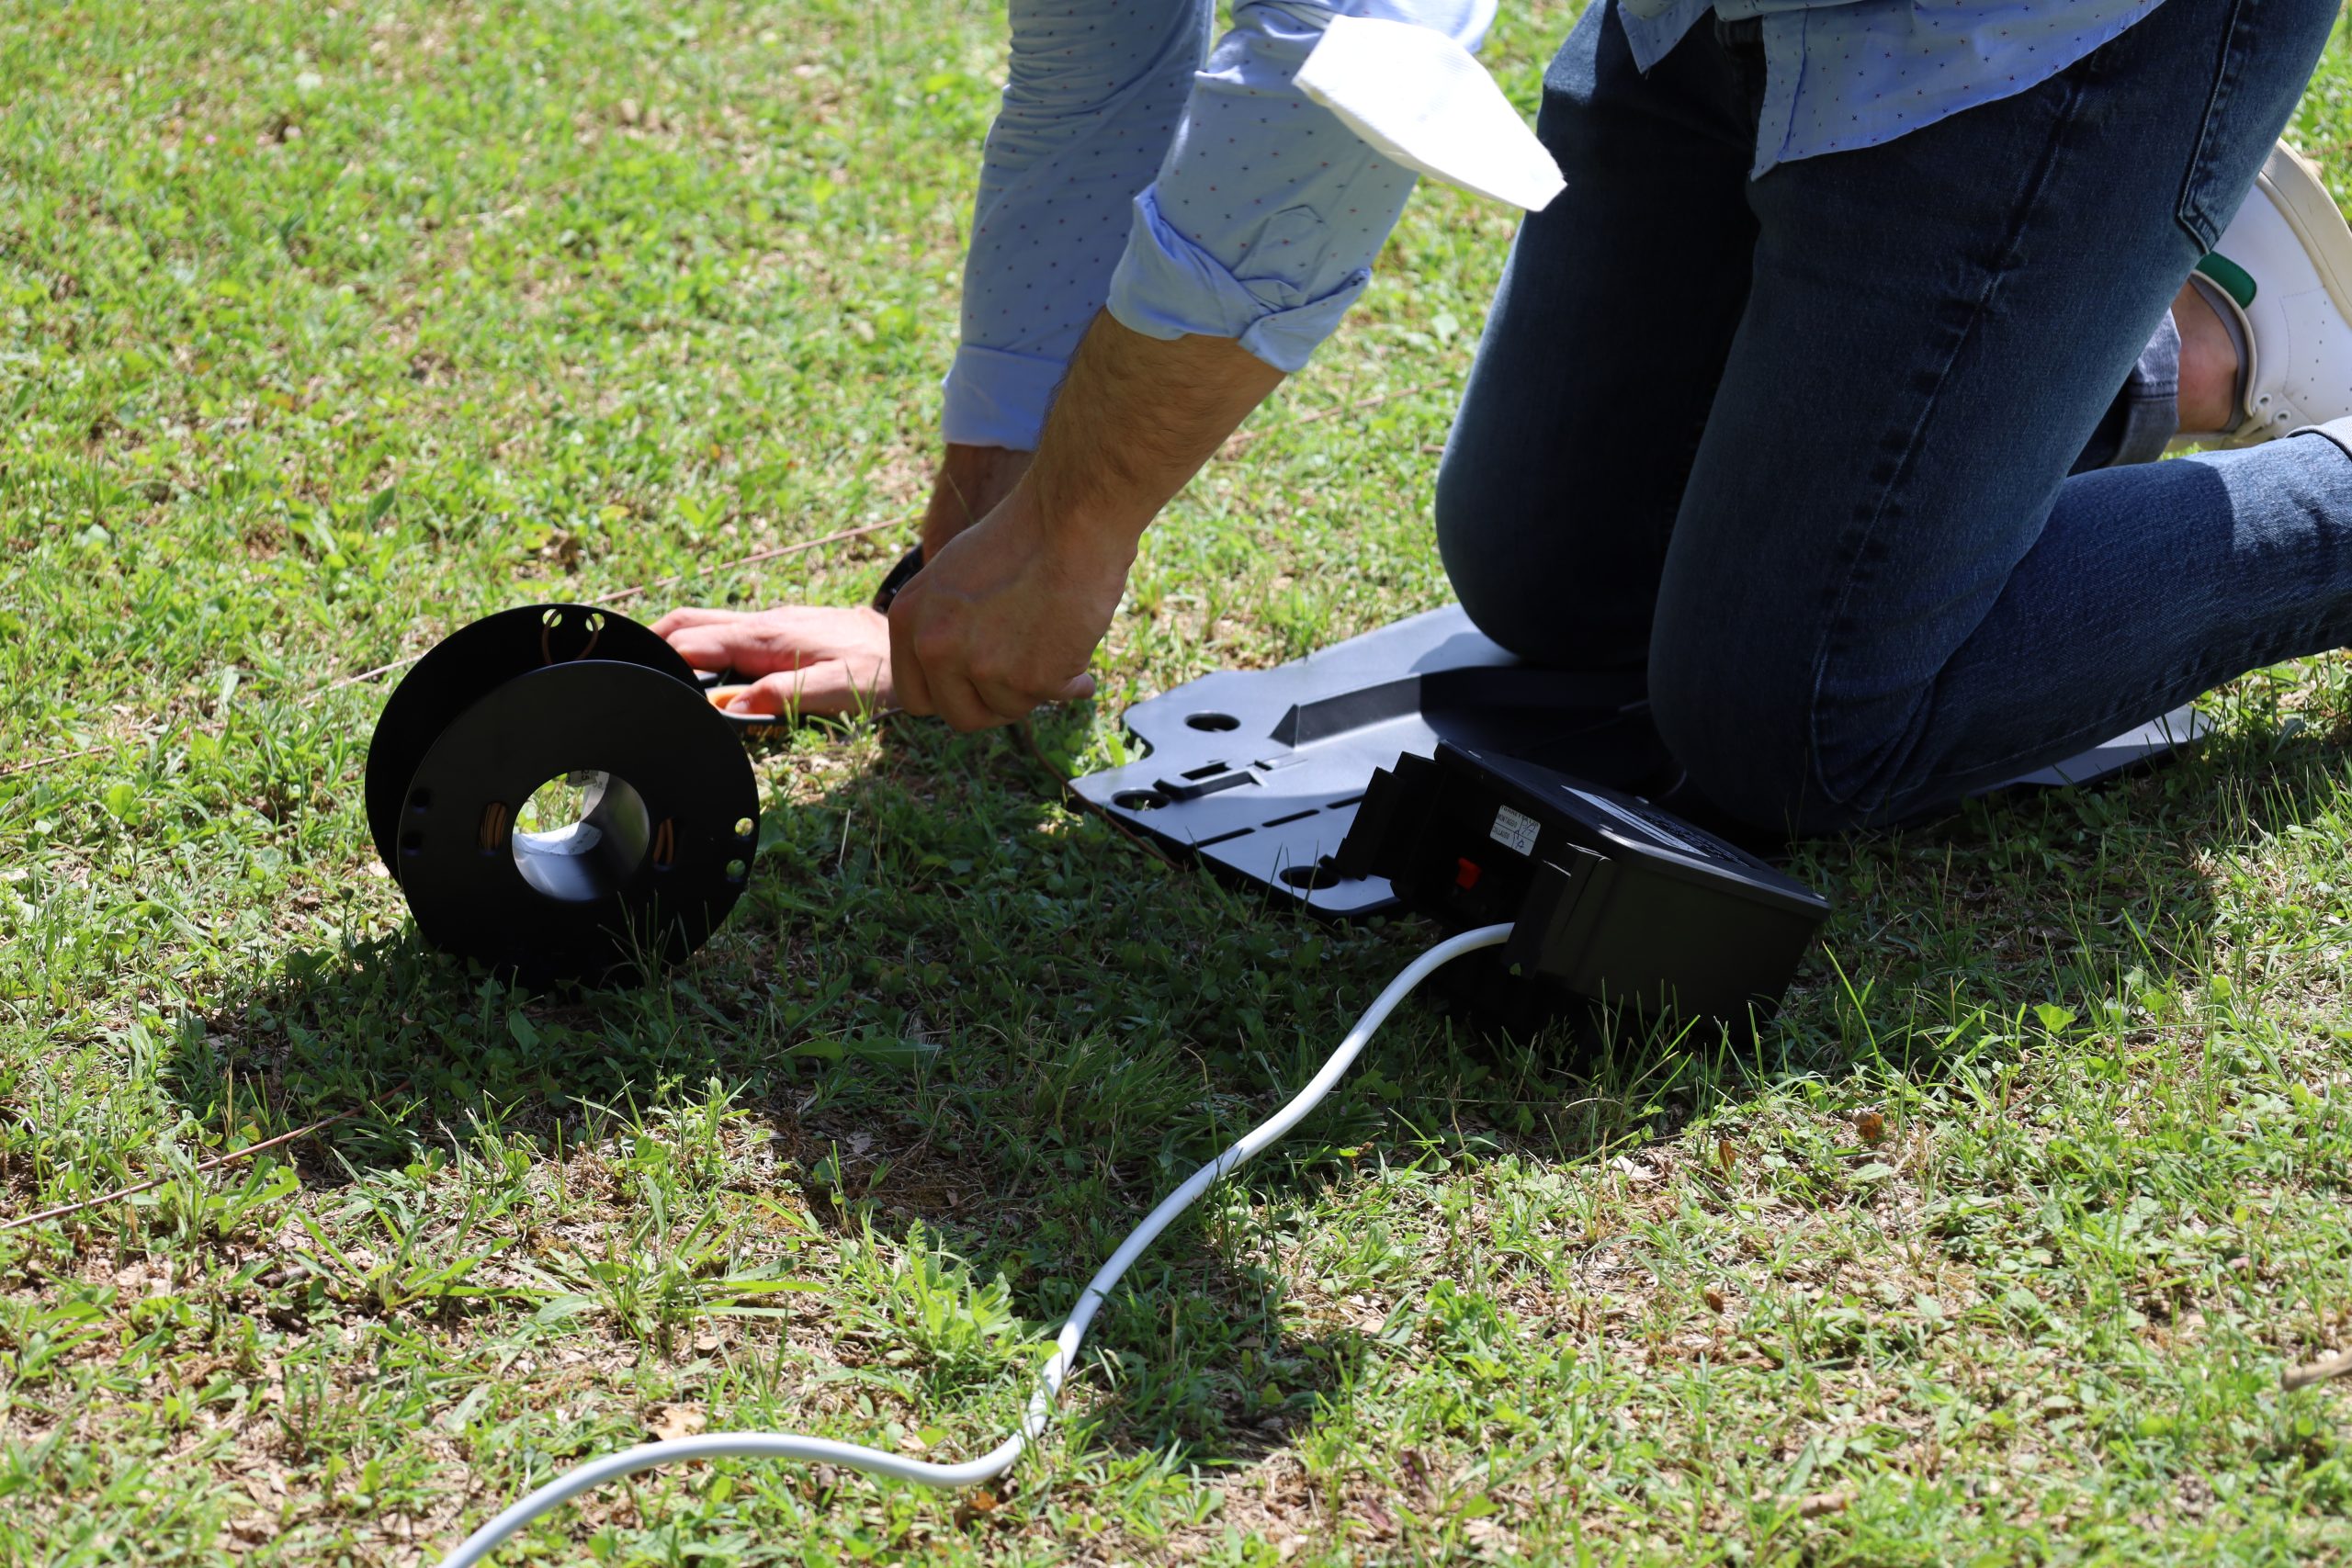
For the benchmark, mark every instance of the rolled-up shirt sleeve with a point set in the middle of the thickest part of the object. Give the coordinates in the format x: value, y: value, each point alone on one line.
x: 1188, y: 198
x: 1093, y: 99
x: 1267, y: 212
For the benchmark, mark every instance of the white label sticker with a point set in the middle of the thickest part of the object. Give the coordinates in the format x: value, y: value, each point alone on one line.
x: 1514, y: 831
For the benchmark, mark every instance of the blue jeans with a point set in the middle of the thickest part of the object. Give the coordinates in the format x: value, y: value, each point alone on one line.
x: 1805, y: 447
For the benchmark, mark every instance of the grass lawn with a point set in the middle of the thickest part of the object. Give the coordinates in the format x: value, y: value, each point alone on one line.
x: 324, y: 330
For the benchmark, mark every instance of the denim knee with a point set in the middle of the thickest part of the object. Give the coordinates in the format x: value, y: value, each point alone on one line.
x: 1498, y: 602
x: 1737, y: 713
x: 1528, y: 577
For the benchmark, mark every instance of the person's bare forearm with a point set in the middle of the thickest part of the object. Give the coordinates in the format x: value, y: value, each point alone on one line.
x: 970, y: 481
x: 1136, y: 419
x: 1024, y: 557
x: 1008, y: 614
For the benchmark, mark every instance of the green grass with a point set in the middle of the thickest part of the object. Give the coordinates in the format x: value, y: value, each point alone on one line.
x: 325, y: 331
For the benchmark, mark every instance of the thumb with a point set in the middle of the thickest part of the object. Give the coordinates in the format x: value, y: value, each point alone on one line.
x: 1079, y: 687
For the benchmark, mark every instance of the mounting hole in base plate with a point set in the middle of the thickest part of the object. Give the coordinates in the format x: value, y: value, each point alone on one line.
x: 1216, y: 721
x: 1139, y: 800
x: 1308, y: 878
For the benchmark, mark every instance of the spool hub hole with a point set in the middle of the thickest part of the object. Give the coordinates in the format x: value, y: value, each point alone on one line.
x: 582, y: 836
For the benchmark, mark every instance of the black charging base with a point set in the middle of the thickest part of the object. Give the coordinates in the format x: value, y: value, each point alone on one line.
x: 1611, y: 902
x: 1259, y: 772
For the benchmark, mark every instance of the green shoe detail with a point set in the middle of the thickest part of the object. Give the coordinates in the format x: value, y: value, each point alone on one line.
x: 2226, y: 275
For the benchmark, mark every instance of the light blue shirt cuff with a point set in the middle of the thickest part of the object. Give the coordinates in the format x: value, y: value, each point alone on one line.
x: 1165, y: 286
x: 995, y: 398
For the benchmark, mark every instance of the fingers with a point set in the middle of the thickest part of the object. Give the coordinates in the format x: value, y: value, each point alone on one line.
x: 762, y: 645
x: 962, y: 705
x: 704, y: 648
x: 939, y: 687
x: 832, y: 689
x: 981, y: 704
x: 930, y: 674
x: 1005, y: 704
x: 706, y: 639
x: 816, y: 691
x: 692, y: 616
x: 813, y: 684
x: 936, y: 684
x: 1011, y: 705
x: 906, y: 674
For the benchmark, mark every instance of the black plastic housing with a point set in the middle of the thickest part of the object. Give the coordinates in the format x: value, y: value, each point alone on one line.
x: 1257, y: 773
x: 511, y: 701
x: 1614, y: 901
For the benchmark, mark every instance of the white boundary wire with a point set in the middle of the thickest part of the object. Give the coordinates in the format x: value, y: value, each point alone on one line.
x: 477, y: 1547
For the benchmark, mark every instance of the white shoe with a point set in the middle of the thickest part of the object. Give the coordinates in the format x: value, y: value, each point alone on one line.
x: 2284, y: 267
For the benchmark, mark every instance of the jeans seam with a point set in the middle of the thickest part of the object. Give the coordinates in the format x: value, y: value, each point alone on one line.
x: 1995, y: 275
x: 2004, y: 263
x: 2191, y: 211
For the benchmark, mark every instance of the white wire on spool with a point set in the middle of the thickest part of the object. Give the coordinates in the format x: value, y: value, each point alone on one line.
x: 477, y: 1546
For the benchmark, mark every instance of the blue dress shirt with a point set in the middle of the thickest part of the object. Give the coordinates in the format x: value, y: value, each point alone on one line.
x: 1852, y: 74
x: 1188, y: 195
x: 1206, y: 195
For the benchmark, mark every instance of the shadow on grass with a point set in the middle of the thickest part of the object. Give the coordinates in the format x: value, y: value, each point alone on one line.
x: 948, y: 1012
x: 2102, y: 902
x: 957, y: 1013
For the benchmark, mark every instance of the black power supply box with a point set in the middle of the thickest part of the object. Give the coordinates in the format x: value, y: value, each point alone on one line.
x: 1612, y: 901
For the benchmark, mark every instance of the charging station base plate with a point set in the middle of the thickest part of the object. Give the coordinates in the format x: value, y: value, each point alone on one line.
x: 1258, y: 771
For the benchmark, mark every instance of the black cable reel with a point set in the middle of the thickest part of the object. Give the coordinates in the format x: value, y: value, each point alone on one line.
x: 668, y: 815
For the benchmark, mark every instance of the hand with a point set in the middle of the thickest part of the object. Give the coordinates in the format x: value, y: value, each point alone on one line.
x: 1010, y: 609
x: 810, y: 662
x: 813, y: 662
x: 1006, y: 617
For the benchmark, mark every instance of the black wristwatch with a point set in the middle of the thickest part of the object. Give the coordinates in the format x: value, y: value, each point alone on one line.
x: 899, y: 576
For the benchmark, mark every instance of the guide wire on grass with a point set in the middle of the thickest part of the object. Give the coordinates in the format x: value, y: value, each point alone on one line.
x: 1233, y: 446
x: 477, y: 1547
x: 215, y: 1163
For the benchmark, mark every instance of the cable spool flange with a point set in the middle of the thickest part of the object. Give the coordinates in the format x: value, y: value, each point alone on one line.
x: 667, y: 827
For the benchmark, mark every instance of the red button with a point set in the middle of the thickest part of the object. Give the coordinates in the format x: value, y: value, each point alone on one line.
x: 1466, y: 874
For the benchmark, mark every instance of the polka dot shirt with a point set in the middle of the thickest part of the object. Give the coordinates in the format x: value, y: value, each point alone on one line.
x: 1190, y: 189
